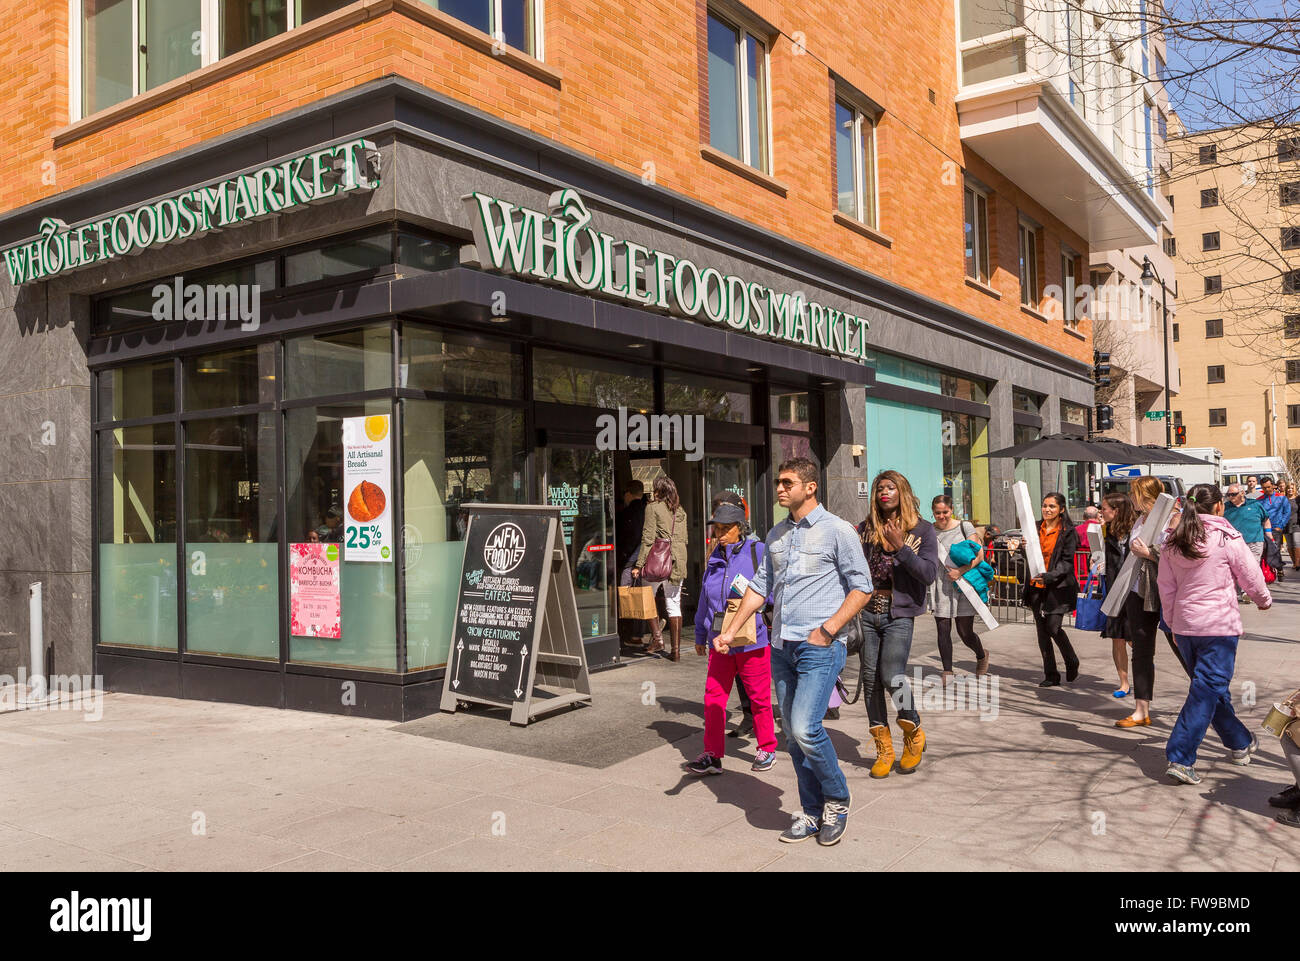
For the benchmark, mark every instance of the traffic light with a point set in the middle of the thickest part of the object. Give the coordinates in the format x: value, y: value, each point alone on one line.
x: 1101, y: 369
x: 1105, y: 417
x: 1180, y: 435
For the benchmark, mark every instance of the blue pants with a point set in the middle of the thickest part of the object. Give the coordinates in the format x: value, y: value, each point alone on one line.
x: 805, y: 676
x: 885, y: 650
x: 1211, y: 661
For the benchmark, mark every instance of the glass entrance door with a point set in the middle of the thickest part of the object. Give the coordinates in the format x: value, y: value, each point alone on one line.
x: 580, y: 481
x: 735, y: 474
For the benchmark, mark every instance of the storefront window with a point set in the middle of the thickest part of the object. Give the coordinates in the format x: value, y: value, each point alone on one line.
x: 790, y: 409
x: 339, y: 259
x: 345, y: 363
x: 315, y: 502
x: 1076, y: 487
x: 1028, y: 469
x: 137, y: 537
x: 965, y: 473
x: 141, y: 390
x: 451, y: 364
x: 455, y: 454
x: 905, y: 372
x: 232, y: 582
x: 1075, y: 414
x: 785, y: 446
x: 952, y: 385
x: 230, y: 378
x: 426, y: 253
x: 715, y: 399
x: 1023, y: 400
x: 591, y: 382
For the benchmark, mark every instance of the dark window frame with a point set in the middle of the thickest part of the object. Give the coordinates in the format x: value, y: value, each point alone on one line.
x: 1210, y: 377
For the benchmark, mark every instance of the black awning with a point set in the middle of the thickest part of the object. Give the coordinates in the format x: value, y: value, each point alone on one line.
x: 586, y: 323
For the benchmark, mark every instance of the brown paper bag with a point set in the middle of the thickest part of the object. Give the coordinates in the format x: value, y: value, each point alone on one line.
x: 637, y: 602
x: 745, y: 634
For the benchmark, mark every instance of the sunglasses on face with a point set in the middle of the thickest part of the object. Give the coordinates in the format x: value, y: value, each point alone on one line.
x: 785, y: 483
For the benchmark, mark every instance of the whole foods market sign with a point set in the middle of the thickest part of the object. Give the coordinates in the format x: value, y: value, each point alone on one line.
x: 305, y: 179
x: 562, y: 247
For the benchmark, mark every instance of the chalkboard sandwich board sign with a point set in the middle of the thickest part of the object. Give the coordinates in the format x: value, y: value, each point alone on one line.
x: 516, y: 642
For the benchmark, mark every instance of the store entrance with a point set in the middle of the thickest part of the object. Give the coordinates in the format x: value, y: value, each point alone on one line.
x: 589, y: 486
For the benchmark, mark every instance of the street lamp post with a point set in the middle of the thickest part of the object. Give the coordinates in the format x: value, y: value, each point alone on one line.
x: 1149, y: 274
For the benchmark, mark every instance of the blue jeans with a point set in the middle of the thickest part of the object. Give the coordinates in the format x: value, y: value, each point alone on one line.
x: 1210, y: 661
x: 805, y: 676
x: 885, y: 649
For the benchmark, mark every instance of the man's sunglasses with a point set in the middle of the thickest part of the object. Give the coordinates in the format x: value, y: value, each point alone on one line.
x: 785, y: 483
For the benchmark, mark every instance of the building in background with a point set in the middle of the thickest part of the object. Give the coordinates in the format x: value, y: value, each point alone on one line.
x: 1065, y: 101
x: 816, y: 246
x: 1237, y: 210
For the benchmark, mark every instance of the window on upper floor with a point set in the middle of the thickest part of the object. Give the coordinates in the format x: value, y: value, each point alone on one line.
x: 1210, y: 240
x: 1214, y: 374
x: 855, y: 162
x: 123, y: 48
x: 1175, y: 331
x: 992, y: 39
x: 1291, y: 281
x: 1291, y: 326
x: 1171, y: 246
x: 1069, y: 284
x: 1214, y: 328
x: 1029, y: 289
x: 1288, y: 149
x: 1209, y: 154
x: 1293, y: 415
x: 1290, y: 238
x: 977, y: 234
x: 738, y: 112
x: 1214, y: 284
x: 1218, y: 417
x: 1292, y: 371
x: 1288, y: 194
x: 1210, y: 197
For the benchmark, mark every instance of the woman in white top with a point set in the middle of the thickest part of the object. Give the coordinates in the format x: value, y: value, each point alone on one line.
x: 947, y: 600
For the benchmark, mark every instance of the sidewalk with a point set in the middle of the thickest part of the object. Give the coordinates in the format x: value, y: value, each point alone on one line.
x: 1047, y: 784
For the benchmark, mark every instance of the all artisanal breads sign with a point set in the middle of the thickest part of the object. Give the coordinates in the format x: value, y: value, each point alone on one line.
x: 308, y: 178
x: 562, y: 247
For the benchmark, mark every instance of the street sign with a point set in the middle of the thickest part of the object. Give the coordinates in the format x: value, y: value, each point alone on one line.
x: 516, y: 641
x: 1155, y: 415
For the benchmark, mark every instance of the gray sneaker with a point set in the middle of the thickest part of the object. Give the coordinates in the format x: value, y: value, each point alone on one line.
x: 835, y: 818
x: 803, y: 827
x: 1242, y: 757
x: 1181, y: 772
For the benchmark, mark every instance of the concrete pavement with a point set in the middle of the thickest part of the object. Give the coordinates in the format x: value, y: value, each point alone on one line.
x: 1043, y: 782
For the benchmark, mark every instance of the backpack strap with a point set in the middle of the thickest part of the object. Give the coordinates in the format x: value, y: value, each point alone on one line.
x: 753, y: 555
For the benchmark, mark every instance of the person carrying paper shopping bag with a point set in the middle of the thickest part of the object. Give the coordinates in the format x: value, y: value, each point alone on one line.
x: 731, y: 567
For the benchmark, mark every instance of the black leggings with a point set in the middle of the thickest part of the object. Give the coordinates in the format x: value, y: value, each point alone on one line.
x: 965, y: 630
x: 1049, y: 630
x: 1142, y: 629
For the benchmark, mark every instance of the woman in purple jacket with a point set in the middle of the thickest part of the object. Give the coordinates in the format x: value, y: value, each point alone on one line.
x: 732, y: 564
x: 1204, y: 560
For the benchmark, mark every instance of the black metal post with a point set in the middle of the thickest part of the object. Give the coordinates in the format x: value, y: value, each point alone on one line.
x: 1164, y: 307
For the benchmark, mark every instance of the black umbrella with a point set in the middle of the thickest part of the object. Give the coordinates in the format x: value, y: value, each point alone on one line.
x: 1053, y: 447
x: 1152, y: 454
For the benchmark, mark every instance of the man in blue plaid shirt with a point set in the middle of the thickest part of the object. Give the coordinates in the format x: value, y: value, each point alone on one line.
x: 816, y: 571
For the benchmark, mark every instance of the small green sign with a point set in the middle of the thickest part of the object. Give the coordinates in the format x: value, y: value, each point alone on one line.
x: 332, y: 552
x: 1155, y: 415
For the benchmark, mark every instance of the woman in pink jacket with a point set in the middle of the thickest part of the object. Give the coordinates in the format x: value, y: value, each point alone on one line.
x: 1204, y: 560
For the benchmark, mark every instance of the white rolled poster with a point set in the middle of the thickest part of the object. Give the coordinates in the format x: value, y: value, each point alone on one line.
x: 1028, y: 529
x: 1150, y: 530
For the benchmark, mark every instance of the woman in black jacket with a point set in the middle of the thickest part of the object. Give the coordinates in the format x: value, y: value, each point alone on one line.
x: 1119, y: 517
x: 903, y: 556
x: 1056, y: 593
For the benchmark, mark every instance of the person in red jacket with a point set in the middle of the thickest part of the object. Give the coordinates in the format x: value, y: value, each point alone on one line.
x: 1204, y: 560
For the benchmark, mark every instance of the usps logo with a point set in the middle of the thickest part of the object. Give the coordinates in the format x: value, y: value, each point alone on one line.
x: 505, y: 548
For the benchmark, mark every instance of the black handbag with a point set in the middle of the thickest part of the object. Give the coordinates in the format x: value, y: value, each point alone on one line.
x: 853, y: 635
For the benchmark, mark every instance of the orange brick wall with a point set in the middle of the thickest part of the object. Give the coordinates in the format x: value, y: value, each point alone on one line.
x: 629, y: 96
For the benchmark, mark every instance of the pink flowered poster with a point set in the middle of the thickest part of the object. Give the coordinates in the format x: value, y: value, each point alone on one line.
x: 314, y: 607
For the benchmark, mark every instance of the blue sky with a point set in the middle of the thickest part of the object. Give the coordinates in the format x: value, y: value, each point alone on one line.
x: 1220, y: 83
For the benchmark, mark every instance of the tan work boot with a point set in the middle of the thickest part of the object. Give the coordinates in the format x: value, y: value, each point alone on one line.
x: 913, y: 746
x: 884, y: 751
